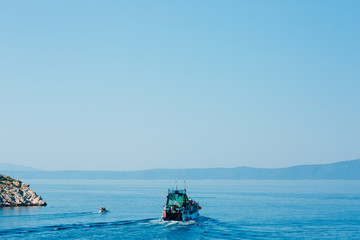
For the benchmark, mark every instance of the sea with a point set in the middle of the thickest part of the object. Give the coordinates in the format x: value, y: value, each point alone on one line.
x: 231, y: 209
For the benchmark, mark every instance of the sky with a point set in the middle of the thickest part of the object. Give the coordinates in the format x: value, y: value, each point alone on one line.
x: 132, y: 85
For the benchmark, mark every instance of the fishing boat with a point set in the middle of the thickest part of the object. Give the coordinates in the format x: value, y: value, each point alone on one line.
x: 179, y: 206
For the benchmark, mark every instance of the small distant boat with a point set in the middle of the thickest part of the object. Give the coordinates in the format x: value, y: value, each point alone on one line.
x: 103, y: 210
x: 180, y: 207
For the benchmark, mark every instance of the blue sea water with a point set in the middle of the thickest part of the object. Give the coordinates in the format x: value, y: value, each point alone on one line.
x: 230, y: 210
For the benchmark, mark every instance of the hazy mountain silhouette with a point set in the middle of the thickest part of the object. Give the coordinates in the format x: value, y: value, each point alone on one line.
x: 339, y: 170
x: 12, y: 167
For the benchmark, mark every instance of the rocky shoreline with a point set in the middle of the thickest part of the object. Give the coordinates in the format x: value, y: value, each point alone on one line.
x: 15, y: 193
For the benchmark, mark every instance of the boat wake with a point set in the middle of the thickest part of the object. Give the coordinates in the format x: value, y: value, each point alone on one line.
x: 151, y: 227
x: 50, y: 215
x: 73, y: 226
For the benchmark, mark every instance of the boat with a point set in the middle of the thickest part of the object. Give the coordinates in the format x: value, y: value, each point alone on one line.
x: 103, y: 210
x: 180, y: 207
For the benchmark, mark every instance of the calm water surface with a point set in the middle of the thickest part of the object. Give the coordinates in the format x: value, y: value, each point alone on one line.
x: 230, y: 210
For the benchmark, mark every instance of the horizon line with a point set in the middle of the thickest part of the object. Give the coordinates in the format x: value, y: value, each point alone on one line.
x: 152, y: 169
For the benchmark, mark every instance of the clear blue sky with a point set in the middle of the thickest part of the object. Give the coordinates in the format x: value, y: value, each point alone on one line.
x: 127, y: 85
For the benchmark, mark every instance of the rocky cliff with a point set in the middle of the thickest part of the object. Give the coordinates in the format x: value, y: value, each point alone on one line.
x: 13, y: 192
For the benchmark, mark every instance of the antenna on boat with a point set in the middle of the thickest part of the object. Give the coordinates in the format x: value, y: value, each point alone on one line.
x: 176, y: 185
x: 185, y: 185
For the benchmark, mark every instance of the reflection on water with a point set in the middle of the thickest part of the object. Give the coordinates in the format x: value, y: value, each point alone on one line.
x: 15, y: 211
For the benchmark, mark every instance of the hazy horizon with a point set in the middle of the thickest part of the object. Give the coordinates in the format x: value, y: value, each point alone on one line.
x: 123, y: 85
x: 11, y: 167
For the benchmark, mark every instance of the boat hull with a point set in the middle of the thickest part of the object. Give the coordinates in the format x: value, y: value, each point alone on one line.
x: 167, y: 216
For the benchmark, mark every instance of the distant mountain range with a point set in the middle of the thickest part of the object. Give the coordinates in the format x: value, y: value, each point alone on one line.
x: 12, y: 167
x: 339, y: 170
